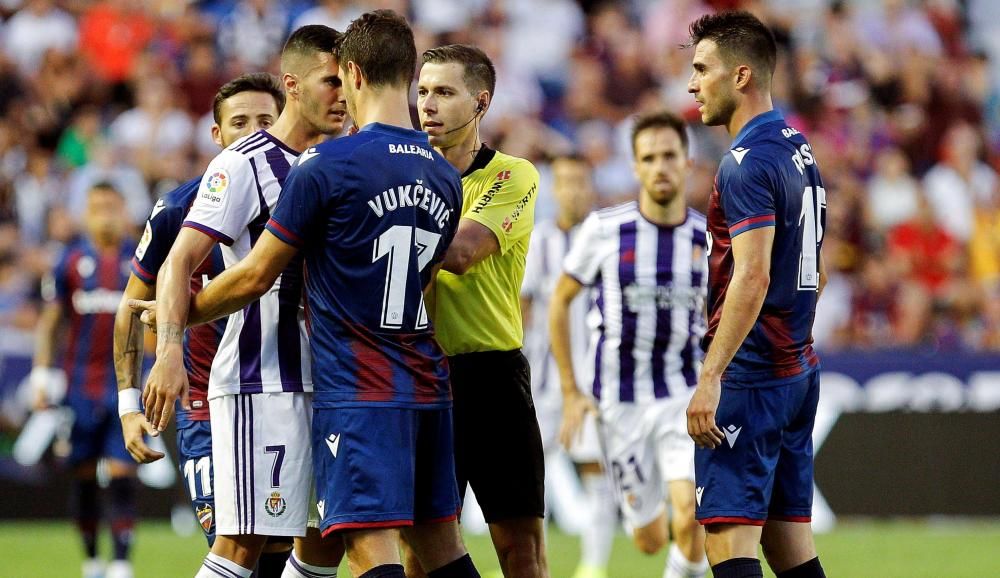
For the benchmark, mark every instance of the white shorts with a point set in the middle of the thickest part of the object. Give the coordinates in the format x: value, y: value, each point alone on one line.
x: 262, y: 455
x: 646, y: 446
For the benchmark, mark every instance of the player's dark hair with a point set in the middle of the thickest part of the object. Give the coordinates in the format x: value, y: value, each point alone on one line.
x: 660, y: 119
x: 573, y: 157
x: 309, y: 39
x: 480, y: 74
x: 252, y: 82
x: 741, y: 38
x: 381, y: 44
x: 107, y: 187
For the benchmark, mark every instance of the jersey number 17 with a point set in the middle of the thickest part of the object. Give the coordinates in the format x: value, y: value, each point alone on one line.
x: 395, y: 244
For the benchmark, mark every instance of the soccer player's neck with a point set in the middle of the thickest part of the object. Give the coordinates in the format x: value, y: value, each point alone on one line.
x: 294, y: 131
x: 669, y: 215
x: 387, y: 105
x: 754, y: 103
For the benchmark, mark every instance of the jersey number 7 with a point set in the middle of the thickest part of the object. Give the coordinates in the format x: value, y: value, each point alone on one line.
x: 394, y: 244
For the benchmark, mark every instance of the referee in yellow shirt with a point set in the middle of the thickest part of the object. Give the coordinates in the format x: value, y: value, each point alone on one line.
x: 476, y: 309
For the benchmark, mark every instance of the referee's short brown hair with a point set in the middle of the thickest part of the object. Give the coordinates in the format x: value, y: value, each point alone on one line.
x: 480, y: 74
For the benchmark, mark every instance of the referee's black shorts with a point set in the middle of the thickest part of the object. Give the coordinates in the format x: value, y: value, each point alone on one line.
x: 498, y: 447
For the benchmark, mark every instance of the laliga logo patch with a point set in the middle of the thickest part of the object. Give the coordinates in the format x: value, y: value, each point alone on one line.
x: 215, y: 187
x: 147, y: 237
x: 275, y: 505
x: 206, y: 517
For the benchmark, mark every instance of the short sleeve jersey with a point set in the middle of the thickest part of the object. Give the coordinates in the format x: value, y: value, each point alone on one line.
x: 373, y: 214
x: 650, y: 281
x: 201, y: 341
x: 770, y: 179
x: 265, y: 346
x: 480, y: 310
x: 88, y: 284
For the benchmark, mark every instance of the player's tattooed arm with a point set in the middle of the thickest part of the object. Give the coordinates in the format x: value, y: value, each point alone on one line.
x: 171, y: 333
x: 128, y: 343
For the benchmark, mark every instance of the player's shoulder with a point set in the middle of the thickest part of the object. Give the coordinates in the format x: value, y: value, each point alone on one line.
x: 518, y: 167
x: 696, y: 218
x: 611, y: 218
x: 178, y: 200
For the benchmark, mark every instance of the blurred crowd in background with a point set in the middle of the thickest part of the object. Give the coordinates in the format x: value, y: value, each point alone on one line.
x: 900, y: 99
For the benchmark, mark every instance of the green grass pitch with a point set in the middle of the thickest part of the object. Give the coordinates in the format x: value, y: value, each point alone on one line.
x: 854, y: 550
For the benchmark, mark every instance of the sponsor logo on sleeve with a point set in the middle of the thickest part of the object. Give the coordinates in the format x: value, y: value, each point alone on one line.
x: 147, y: 236
x: 215, y: 187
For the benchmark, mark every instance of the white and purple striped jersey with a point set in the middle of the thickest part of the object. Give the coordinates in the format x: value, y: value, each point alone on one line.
x: 651, y: 283
x: 265, y: 347
x: 543, y: 267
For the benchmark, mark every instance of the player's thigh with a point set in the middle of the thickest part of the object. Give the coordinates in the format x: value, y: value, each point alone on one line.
x: 667, y: 419
x: 498, y: 442
x: 194, y: 451
x: 791, y: 498
x: 630, y: 455
x: 735, y: 479
x: 365, y: 464
x: 262, y: 463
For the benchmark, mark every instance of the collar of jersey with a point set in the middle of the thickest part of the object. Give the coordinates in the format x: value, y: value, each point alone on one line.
x: 482, y: 158
x: 763, y: 118
x: 395, y: 130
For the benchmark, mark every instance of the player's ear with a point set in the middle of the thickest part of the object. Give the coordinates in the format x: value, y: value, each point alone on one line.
x: 290, y: 83
x: 356, y: 76
x: 483, y: 101
x: 743, y: 76
x: 217, y: 134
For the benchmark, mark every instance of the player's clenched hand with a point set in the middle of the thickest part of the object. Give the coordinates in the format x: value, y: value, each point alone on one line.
x: 146, y: 311
x: 701, y: 413
x: 167, y: 381
x: 575, y: 408
x: 134, y: 425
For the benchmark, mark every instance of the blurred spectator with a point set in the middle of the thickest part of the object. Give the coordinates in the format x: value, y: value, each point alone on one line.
x: 154, y: 129
x: 76, y: 142
x: 202, y: 77
x: 336, y: 14
x: 893, y: 193
x: 35, y: 29
x: 112, y: 34
x: 959, y: 181
x: 253, y: 33
x: 109, y: 164
x: 36, y: 190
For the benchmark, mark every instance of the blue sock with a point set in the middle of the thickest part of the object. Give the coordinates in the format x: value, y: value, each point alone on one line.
x: 738, y: 568
x: 459, y: 568
x: 810, y: 569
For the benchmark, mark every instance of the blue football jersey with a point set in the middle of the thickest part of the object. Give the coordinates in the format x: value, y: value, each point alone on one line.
x: 373, y: 214
x: 202, y: 341
x: 769, y: 178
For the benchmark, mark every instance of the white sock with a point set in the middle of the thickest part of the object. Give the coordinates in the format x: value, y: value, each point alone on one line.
x: 216, y: 566
x: 599, y: 533
x: 680, y: 567
x: 295, y: 568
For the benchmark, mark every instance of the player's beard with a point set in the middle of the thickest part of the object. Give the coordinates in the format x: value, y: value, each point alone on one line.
x: 722, y: 112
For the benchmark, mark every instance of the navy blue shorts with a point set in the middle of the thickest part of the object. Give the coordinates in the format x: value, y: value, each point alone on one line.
x: 383, y: 467
x: 194, y: 450
x: 97, y: 431
x: 764, y: 468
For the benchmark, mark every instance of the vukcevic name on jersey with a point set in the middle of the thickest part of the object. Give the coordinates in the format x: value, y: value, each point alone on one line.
x: 650, y: 283
x: 543, y: 267
x: 373, y: 214
x: 265, y: 346
x: 770, y: 179
x: 89, y: 284
x: 201, y: 341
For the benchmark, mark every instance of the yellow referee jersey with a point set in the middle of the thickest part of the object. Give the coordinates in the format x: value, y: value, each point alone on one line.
x: 480, y: 310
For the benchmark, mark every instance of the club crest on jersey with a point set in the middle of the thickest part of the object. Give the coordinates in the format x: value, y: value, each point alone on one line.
x: 275, y: 505
x: 206, y: 517
x: 215, y: 187
x: 147, y: 236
